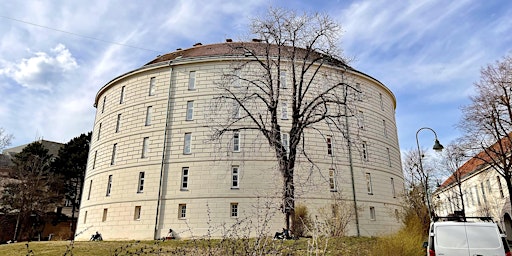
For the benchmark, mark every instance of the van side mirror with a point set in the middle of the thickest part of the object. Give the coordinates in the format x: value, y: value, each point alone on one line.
x: 425, y: 244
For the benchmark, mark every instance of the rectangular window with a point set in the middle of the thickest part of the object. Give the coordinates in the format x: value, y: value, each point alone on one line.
x: 113, y: 160
x: 109, y: 185
x: 182, y: 214
x: 236, y: 141
x: 99, y: 131
x: 149, y: 111
x: 152, y: 82
x: 236, y: 109
x: 483, y: 192
x: 234, y: 209
x: 184, y: 178
x: 471, y: 196
x: 187, y: 144
x: 85, y: 217
x: 498, y: 179
x: 372, y: 213
x: 381, y: 101
x: 284, y: 110
x: 145, y: 147
x: 328, y: 140
x: 121, y: 99
x: 332, y: 180
x: 488, y: 183
x: 369, y: 187
x: 136, y: 214
x: 235, y: 177
x: 190, y: 110
x: 360, y: 120
x: 389, y: 157
x: 94, y: 160
x: 364, y: 147
x: 282, y: 79
x: 104, y: 218
x: 285, y: 141
x: 140, y: 187
x: 393, y: 191
x: 192, y: 80
x: 385, y: 130
x: 359, y: 92
x: 104, y: 102
x: 477, y: 196
x: 118, y: 123
x: 90, y: 189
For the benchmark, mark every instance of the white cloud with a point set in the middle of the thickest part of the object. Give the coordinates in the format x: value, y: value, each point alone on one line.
x: 43, y: 70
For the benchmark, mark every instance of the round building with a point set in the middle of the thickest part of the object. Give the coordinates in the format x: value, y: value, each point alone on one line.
x: 158, y: 162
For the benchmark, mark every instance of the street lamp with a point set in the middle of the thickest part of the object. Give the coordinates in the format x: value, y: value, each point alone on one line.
x: 437, y: 147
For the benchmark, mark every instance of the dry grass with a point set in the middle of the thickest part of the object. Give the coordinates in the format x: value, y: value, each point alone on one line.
x: 407, y: 242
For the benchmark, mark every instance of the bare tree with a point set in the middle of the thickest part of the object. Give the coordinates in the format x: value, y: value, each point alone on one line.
x: 5, y: 139
x: 487, y: 120
x: 454, y: 157
x: 295, y: 64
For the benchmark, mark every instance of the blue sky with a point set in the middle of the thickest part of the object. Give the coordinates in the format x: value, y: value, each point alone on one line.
x: 429, y: 53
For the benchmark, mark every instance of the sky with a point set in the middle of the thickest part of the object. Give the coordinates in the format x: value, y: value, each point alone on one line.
x: 56, y: 55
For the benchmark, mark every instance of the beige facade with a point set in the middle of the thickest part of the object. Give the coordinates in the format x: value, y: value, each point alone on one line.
x: 153, y: 165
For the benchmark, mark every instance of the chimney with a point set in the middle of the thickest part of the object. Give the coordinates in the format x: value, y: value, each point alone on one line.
x: 197, y: 44
x: 229, y: 40
x: 256, y: 40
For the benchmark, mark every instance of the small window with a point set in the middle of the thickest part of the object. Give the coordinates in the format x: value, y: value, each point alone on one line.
x: 381, y: 102
x: 477, y: 196
x: 152, y: 82
x: 359, y: 92
x: 393, y: 191
x: 236, y: 141
x: 85, y: 217
x: 284, y: 110
x: 187, y: 144
x: 282, y: 80
x: 389, y: 156
x: 90, y: 189
x: 113, y: 160
x: 498, y: 179
x: 483, y: 192
x: 149, y: 111
x: 140, y: 187
x: 364, y: 147
x: 192, y: 80
x: 285, y: 141
x: 236, y: 109
x: 136, y: 214
x: 360, y: 120
x: 369, y: 187
x: 118, y: 123
x: 104, y: 102
x: 329, y: 145
x: 237, y: 78
x: 184, y: 178
x: 190, y: 110
x: 234, y: 209
x: 99, y: 131
x: 235, y: 177
x: 109, y: 185
x: 145, y: 147
x: 489, y: 188
x: 182, y: 208
x: 121, y: 98
x: 94, y: 160
x: 104, y: 218
x: 384, y: 128
x: 372, y: 213
x: 332, y: 180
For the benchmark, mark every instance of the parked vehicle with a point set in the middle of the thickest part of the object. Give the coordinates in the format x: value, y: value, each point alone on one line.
x: 459, y: 236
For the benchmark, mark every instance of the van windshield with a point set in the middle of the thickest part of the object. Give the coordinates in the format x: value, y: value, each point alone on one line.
x: 476, y: 237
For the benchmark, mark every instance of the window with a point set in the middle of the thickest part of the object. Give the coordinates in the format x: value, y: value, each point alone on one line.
x: 284, y: 110
x: 393, y: 191
x: 94, y: 160
x: 365, y: 151
x: 152, y: 82
x: 381, y: 101
x: 234, y: 209
x: 369, y: 187
x: 140, y: 187
x: 329, y: 145
x: 136, y: 214
x: 104, y: 102
x: 282, y: 79
x: 360, y: 120
x: 236, y: 141
x: 483, y: 192
x: 192, y: 80
x: 236, y: 109
x: 190, y: 111
x: 118, y: 123
x: 113, y: 160
x: 477, y: 196
x: 359, y: 93
x: 145, y: 146
x: 332, y: 180
x: 104, y: 218
x: 389, y: 157
x: 184, y: 178
x: 109, y: 185
x: 121, y: 99
x: 149, y: 111
x: 99, y: 131
x: 471, y: 196
x: 372, y: 213
x: 499, y: 186
x: 235, y: 174
x: 90, y: 188
x: 385, y: 129
x: 186, y: 147
x: 85, y: 217
x: 182, y: 211
x: 488, y: 183
x: 285, y: 142
x: 236, y: 78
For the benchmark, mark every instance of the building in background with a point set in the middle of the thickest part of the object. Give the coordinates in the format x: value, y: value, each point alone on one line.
x: 153, y: 166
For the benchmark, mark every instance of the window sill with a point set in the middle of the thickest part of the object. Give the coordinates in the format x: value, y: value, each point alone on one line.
x: 234, y: 188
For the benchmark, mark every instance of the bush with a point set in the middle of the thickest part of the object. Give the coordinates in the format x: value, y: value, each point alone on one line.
x: 407, y: 241
x: 301, y: 220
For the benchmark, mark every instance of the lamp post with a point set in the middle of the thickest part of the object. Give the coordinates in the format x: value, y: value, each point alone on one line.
x: 437, y: 147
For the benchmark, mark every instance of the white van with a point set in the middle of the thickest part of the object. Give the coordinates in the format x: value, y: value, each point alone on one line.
x: 459, y: 238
